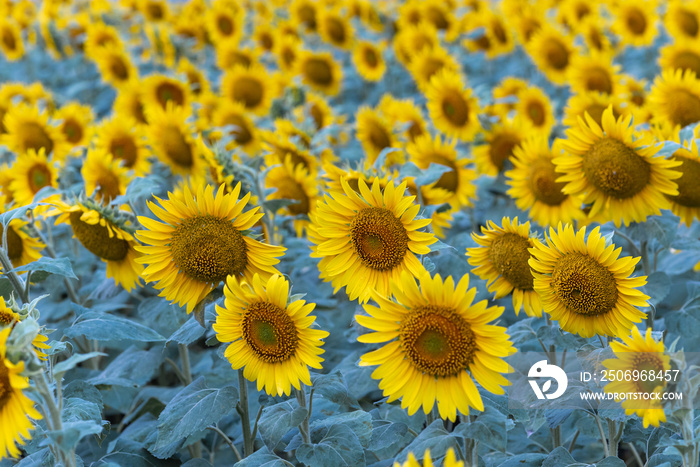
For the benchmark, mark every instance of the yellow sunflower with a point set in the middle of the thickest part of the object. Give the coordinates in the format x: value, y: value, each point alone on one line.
x: 115, y: 66
x: 334, y: 28
x: 224, y: 23
x: 287, y: 51
x: 594, y: 104
x: 170, y: 137
x: 442, y: 17
x: 264, y: 36
x: 196, y: 78
x: 294, y: 183
x: 366, y: 239
x: 458, y: 182
x: 534, y: 185
x: 98, y: 36
x: 31, y: 172
x: 375, y: 134
x: 452, y: 107
x: 675, y: 97
x: 683, y: 55
x: 412, y: 40
x: 594, y: 72
x: 497, y: 38
x: 125, y: 141
x: 430, y: 61
x: 271, y: 336
x: 509, y: 88
x: 584, y: 285
x: 104, y: 175
x: 8, y: 318
x: 552, y: 52
x: 251, y: 87
x: 130, y: 103
x: 433, y: 336
x: 105, y: 233
x: 244, y: 132
x: 153, y: 11
x: 594, y: 35
x: 158, y: 90
x: 281, y: 150
x: 21, y: 247
x: 449, y: 461
x: 642, y: 354
x: 369, y: 60
x: 75, y: 123
x: 319, y: 71
x: 502, y: 260
x: 500, y: 141
x: 201, y: 242
x: 29, y: 129
x: 11, y: 42
x: 16, y: 409
x: 404, y: 112
x: 304, y: 14
x: 636, y: 21
x: 682, y: 19
x: 619, y: 175
x: 534, y: 105
x: 230, y: 55
x: 634, y: 92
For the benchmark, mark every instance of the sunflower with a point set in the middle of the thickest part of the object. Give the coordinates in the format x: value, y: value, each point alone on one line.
x: 319, y: 71
x: 497, y: 38
x: 369, y: 60
x: 201, y: 242
x: 334, y: 28
x: 130, y: 103
x: 619, y: 175
x: 281, y: 150
x: 115, y: 66
x: 271, y: 336
x: 365, y: 239
x: 304, y: 13
x: 229, y: 55
x: 287, y: 51
x: 31, y: 172
x: 318, y: 111
x: 594, y: 72
x: 28, y: 129
x: 452, y: 107
x: 441, y: 16
x: 251, y: 87
x: 98, y: 36
x: 244, y: 132
x: 124, y: 140
x: 199, y: 85
x: 584, y: 285
x: 264, y: 36
x: 682, y: 55
x: 675, y: 97
x: 430, y: 61
x: 294, y: 183
x: 435, y: 334
x: 104, y: 175
x: 11, y: 42
x: 500, y: 141
x: 16, y: 409
x: 449, y: 461
x: 634, y: 92
x: 404, y: 112
x: 414, y: 39
x: 593, y: 104
x: 534, y: 187
x: 8, y: 318
x: 159, y: 89
x: 644, y: 355
x: 502, y: 260
x: 594, y: 35
x: 76, y: 121
x: 105, y: 233
x: 571, y: 13
x: 508, y: 90
x: 635, y: 21
x: 21, y: 247
x: 682, y: 19
x: 375, y: 134
x: 552, y: 52
x: 160, y: 49
x: 534, y: 105
x: 170, y: 137
x: 223, y: 23
x: 458, y: 182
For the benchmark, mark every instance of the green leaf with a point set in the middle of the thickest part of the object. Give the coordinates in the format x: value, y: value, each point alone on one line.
x: 660, y: 228
x: 560, y: 457
x: 187, y: 333
x: 433, y: 437
x: 437, y: 246
x: 432, y: 174
x: 262, y: 458
x: 131, y: 368
x: 658, y: 286
x: 381, y: 158
x: 191, y: 410
x: 611, y: 462
x: 338, y: 447
x: 60, y: 266
x: 388, y: 437
x: 359, y: 421
x: 490, y: 427
x: 332, y: 386
x: 7, y: 216
x: 105, y: 327
x: 71, y: 362
x: 72, y: 432
x: 277, y: 420
x: 526, y: 460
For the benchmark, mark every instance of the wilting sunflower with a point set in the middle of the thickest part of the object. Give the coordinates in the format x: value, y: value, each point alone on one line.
x: 584, y: 285
x: 294, y: 183
x: 104, y: 175
x: 115, y: 66
x: 435, y: 334
x: 619, y: 175
x: 158, y: 90
x: 27, y: 128
x: 121, y: 137
x: 369, y: 60
x: 682, y: 55
x: 450, y: 460
x: 319, y: 71
x: 594, y: 72
x: 534, y: 185
x: 593, y: 103
x: 501, y: 140
x: 375, y: 134
x: 201, y: 242
x: 502, y: 260
x: 271, y: 337
x: 534, y: 106
x: 458, y: 182
x: 16, y: 409
x: 334, y: 28
x: 452, y: 107
x: 636, y: 21
x: 430, y: 61
x: 170, y: 137
x: 552, y: 52
x: 75, y: 123
x: 11, y: 42
x: 31, y: 172
x: 682, y: 19
x: 646, y: 356
x: 22, y: 248
x: 251, y: 87
x: 365, y: 239
x: 243, y: 132
x: 675, y: 97
x: 107, y: 234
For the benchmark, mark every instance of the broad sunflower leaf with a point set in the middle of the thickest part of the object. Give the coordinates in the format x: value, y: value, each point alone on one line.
x: 132, y: 368
x: 388, y: 437
x: 433, y: 437
x: 560, y: 457
x: 191, y: 410
x: 187, y: 333
x: 333, y: 387
x: 658, y: 286
x: 71, y: 362
x: 338, y: 447
x: 60, y: 266
x: 262, y: 458
x: 432, y: 174
x: 277, y: 420
x: 106, y: 327
x: 490, y: 428
x: 525, y: 460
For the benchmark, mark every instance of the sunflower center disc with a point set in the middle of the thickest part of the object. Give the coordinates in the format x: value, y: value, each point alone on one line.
x: 615, y: 168
x: 288, y: 188
x: 379, y: 238
x: 437, y: 340
x: 687, y: 60
x: 270, y: 332
x: 108, y: 183
x: 336, y: 31
x: 6, y: 317
x: 647, y: 362
x: 119, y: 69
x: 449, y: 180
x: 536, y: 113
x: 501, y: 148
x: 125, y: 149
x: 598, y: 79
x: 38, y: 177
x: 167, y: 92
x: 96, y: 239
x: 225, y: 25
x: 14, y: 244
x: 241, y: 135
x: 557, y: 55
x: 455, y: 109
x: 5, y: 387
x: 371, y: 57
x: 8, y: 39
x: 509, y: 256
x: 684, y: 107
x: 319, y: 72
x: 584, y: 286
x: 544, y: 185
x: 73, y: 131
x: 688, y: 186
x: 209, y: 248
x: 636, y: 21
x: 249, y: 91
x: 34, y: 137
x: 688, y: 22
x: 176, y: 147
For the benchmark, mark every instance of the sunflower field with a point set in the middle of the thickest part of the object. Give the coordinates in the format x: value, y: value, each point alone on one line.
x: 328, y: 233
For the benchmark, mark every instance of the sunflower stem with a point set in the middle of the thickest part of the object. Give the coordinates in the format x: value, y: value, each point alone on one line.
x: 54, y: 415
x: 70, y: 290
x: 304, y: 426
x: 227, y: 440
x: 556, y: 437
x: 16, y: 282
x: 635, y: 454
x: 603, y: 440
x: 573, y: 440
x: 244, y: 412
x: 614, y: 433
x: 185, y: 360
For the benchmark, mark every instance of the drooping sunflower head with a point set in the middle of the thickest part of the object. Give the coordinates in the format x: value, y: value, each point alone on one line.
x: 621, y: 176
x: 642, y: 354
x: 319, y: 71
x: 200, y: 241
x: 675, y: 97
x: 438, y: 343
x: 369, y: 60
x: 636, y: 22
x: 248, y: 87
x: 552, y: 52
x: 366, y: 238
x: 170, y: 137
x: 29, y: 129
x: 502, y: 260
x: 452, y: 107
x: 270, y: 336
x: 584, y: 285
